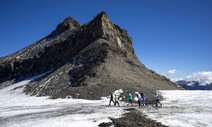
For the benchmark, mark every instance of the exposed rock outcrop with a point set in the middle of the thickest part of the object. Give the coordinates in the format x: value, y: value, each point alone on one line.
x: 84, y: 61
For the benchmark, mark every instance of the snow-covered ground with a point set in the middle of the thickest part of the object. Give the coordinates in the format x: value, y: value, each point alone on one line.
x: 19, y: 110
x: 180, y: 109
x: 183, y: 109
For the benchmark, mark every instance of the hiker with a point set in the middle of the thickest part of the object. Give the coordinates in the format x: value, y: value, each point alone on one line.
x: 111, y: 99
x: 116, y: 100
x: 143, y: 98
x: 129, y: 97
x: 157, y: 99
x: 139, y: 100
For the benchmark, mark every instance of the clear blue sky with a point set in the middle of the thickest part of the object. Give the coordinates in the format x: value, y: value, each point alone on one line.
x: 167, y: 34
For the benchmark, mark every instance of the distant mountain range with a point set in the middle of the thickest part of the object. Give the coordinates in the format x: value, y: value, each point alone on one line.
x: 193, y: 85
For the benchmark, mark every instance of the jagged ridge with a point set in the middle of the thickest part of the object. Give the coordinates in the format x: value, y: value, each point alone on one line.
x: 86, y: 61
x: 68, y: 46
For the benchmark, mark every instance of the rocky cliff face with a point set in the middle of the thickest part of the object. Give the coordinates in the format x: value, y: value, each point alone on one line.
x: 40, y: 56
x: 85, y: 61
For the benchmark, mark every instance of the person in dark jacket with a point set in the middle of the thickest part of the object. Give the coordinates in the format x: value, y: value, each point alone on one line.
x: 111, y: 99
x: 143, y: 99
x: 157, y: 100
x: 139, y: 100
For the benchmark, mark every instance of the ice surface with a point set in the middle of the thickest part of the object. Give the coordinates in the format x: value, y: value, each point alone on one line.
x: 183, y: 109
x: 20, y: 110
x: 180, y: 109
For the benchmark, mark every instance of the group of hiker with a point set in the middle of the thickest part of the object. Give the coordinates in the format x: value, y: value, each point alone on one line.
x: 141, y: 99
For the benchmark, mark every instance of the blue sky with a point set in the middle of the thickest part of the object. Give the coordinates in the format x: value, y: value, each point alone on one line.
x: 167, y: 34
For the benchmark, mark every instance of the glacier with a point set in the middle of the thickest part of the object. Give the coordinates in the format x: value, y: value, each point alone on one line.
x: 180, y: 108
x: 20, y: 110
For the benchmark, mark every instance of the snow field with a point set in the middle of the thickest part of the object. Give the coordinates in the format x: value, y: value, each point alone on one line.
x: 20, y: 110
x: 182, y: 108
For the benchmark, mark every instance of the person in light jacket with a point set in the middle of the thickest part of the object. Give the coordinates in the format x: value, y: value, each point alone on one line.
x: 116, y: 98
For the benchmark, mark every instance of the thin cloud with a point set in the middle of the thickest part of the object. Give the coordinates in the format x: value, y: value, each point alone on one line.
x: 176, y: 79
x: 173, y: 71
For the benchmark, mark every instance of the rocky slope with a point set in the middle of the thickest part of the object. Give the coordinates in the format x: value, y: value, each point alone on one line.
x: 134, y: 118
x: 83, y: 61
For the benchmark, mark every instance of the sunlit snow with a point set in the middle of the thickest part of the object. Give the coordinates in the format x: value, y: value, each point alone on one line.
x: 19, y: 110
x: 183, y: 109
x: 180, y: 109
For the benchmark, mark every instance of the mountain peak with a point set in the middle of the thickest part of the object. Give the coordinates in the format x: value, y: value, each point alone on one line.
x: 84, y: 61
x: 106, y: 29
x: 101, y: 15
x: 68, y: 23
x: 102, y: 19
x: 71, y: 22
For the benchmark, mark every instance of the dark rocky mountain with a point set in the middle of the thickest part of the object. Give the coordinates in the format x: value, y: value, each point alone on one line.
x: 86, y: 61
x: 193, y: 85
